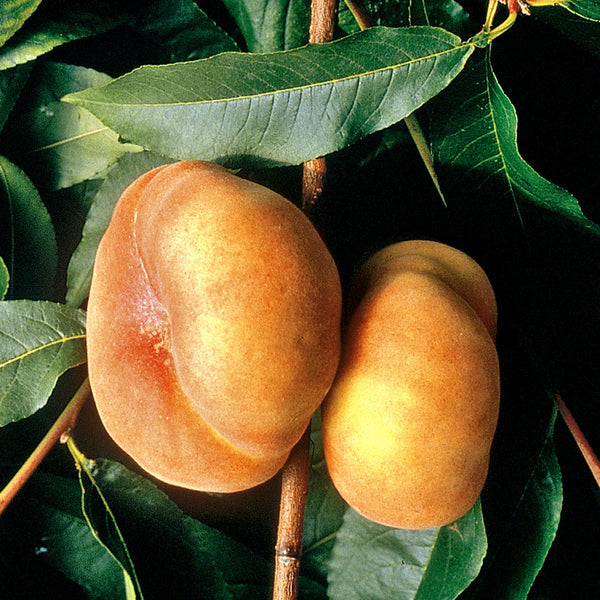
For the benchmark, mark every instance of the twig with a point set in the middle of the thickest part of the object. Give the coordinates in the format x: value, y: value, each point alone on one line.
x: 61, y: 427
x: 586, y: 450
x: 295, y: 474
x: 288, y: 550
x: 322, y: 26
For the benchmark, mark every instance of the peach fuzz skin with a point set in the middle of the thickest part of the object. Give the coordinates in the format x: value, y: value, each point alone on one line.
x: 409, y: 421
x: 213, y: 326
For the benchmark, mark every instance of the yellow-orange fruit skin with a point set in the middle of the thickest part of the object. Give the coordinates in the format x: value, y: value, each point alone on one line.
x: 212, y: 327
x: 409, y: 421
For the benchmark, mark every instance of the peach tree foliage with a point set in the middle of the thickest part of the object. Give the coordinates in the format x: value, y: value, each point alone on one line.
x: 92, y: 94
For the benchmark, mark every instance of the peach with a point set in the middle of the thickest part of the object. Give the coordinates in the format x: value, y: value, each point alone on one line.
x: 213, y: 326
x: 409, y: 421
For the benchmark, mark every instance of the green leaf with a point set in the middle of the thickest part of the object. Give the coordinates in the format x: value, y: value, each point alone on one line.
x: 280, y: 108
x: 184, y: 29
x: 588, y: 9
x: 4, y: 277
x: 27, y: 240
x: 324, y: 514
x: 56, y: 539
x: 101, y: 520
x: 522, y: 500
x: 584, y: 32
x: 11, y: 84
x: 39, y: 341
x: 47, y: 30
x: 79, y: 272
x: 14, y: 14
x: 66, y: 541
x: 61, y: 142
x: 373, y: 561
x: 474, y: 133
x: 273, y: 25
x: 200, y: 557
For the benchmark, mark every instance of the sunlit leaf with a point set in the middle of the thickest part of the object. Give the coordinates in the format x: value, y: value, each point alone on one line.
x: 4, y: 277
x: 14, y: 14
x: 39, y: 341
x: 62, y: 143
x: 280, y: 108
x: 377, y: 562
x: 27, y: 239
x: 79, y: 274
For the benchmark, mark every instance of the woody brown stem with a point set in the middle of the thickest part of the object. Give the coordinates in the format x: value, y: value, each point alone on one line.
x: 288, y: 550
x: 61, y: 427
x: 295, y: 474
x: 322, y: 27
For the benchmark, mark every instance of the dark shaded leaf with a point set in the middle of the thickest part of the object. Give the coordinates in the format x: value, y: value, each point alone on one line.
x: 61, y: 143
x: 474, y: 131
x: 184, y: 29
x: 272, y: 25
x: 46, y: 31
x: 101, y: 521
x: 27, y: 239
x: 11, y: 84
x: 79, y: 274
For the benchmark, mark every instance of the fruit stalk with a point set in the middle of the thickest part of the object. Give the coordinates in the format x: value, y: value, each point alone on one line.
x: 295, y: 474
x: 61, y: 427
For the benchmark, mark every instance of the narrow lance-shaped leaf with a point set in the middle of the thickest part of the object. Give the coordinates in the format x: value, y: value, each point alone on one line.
x: 102, y: 522
x: 39, y: 341
x: 79, y: 272
x: 186, y: 31
x: 589, y: 9
x: 11, y: 84
x: 65, y: 143
x: 523, y: 530
x: 14, y: 14
x: 27, y: 239
x: 474, y: 135
x: 377, y: 562
x: 4, y: 277
x: 43, y: 32
x: 67, y: 544
x: 281, y: 108
x: 271, y: 26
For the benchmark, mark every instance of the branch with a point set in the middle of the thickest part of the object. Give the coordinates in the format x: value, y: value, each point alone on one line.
x: 584, y: 447
x: 288, y: 550
x: 295, y: 474
x: 322, y: 27
x: 61, y: 427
